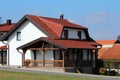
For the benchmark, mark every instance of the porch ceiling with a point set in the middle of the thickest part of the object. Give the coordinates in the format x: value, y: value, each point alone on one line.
x: 64, y: 44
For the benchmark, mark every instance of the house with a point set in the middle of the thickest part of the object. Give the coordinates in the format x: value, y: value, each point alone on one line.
x: 106, y: 44
x: 4, y: 28
x: 110, y: 53
x: 37, y: 41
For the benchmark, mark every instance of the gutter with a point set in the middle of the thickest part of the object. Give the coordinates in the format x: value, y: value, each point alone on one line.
x: 8, y: 58
x: 18, y: 50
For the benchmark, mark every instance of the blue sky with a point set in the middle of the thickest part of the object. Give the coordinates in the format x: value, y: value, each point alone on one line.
x: 101, y: 17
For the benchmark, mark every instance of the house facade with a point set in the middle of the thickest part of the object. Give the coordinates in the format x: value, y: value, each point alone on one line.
x: 37, y: 41
x: 4, y: 28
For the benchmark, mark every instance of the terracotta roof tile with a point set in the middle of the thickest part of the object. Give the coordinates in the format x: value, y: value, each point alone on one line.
x: 5, y: 27
x: 74, y: 43
x: 65, y: 44
x: 3, y: 47
x: 101, y: 52
x: 103, y: 42
x: 53, y: 26
x: 112, y: 53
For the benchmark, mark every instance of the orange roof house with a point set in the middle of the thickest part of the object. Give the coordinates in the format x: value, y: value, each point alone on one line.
x: 112, y: 53
x: 57, y: 42
x: 104, y: 42
x: 106, y: 45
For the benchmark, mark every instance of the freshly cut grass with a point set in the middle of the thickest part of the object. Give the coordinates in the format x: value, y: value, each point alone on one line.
x: 11, y: 75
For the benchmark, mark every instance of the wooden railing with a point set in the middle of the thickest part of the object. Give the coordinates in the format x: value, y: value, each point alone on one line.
x: 85, y: 63
x: 57, y: 63
x: 39, y: 63
x: 82, y: 63
x: 70, y: 63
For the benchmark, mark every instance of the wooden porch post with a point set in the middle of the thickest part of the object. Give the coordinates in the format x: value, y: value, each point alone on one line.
x: 43, y: 58
x: 43, y: 54
x: 23, y: 57
x: 63, y: 54
x: 96, y: 59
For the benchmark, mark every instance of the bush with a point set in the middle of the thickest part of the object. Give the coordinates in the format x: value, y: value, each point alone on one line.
x: 101, y: 71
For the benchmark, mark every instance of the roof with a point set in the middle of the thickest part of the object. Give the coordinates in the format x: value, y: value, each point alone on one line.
x: 112, y: 53
x: 3, y: 47
x: 103, y: 42
x: 51, y: 26
x: 54, y: 26
x: 64, y: 44
x: 101, y: 52
x: 6, y: 27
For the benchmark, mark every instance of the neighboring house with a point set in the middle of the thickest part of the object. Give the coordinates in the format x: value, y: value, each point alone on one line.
x: 106, y: 44
x: 4, y: 28
x: 109, y: 53
x: 111, y: 58
x: 37, y: 41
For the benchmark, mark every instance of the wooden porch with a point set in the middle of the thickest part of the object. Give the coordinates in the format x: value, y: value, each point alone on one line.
x: 56, y: 63
x: 39, y: 63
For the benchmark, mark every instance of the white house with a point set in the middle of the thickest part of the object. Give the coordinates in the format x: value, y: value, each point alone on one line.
x: 50, y: 42
x: 4, y: 28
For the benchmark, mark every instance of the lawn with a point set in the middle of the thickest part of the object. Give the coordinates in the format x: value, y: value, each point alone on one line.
x: 10, y: 75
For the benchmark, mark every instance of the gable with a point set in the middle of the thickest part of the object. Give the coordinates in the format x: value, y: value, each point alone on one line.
x: 19, y: 24
x: 28, y: 31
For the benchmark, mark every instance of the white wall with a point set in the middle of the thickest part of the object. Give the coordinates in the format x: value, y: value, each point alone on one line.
x: 72, y: 33
x: 28, y: 33
x: 107, y: 46
x: 1, y: 44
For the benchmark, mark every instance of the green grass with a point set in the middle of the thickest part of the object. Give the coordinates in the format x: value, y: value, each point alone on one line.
x: 10, y: 75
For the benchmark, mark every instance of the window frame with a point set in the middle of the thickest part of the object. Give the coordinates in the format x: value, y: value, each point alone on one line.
x: 18, y: 36
x: 79, y: 34
x: 66, y: 34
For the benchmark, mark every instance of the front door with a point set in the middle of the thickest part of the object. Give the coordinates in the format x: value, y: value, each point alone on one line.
x: 3, y: 57
x: 79, y: 57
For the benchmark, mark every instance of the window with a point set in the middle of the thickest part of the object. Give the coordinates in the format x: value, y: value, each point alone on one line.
x: 66, y: 34
x: 1, y: 35
x: 18, y: 36
x: 79, y: 34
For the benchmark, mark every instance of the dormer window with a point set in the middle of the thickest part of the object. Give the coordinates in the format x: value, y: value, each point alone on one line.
x: 18, y: 36
x: 65, y: 34
x: 79, y: 34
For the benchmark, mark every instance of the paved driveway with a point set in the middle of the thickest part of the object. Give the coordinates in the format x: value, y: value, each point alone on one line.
x: 57, y: 73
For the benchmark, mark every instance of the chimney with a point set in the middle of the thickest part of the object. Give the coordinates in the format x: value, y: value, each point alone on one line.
x: 8, y: 22
x: 61, y: 16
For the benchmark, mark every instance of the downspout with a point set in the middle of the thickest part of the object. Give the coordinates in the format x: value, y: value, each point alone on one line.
x: 23, y: 56
x: 7, y: 52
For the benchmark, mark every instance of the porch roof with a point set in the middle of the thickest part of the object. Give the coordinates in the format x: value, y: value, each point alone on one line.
x: 61, y: 43
x: 3, y: 47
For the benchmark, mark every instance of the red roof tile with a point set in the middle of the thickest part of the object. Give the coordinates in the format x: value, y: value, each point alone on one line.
x: 106, y: 41
x: 65, y: 44
x: 112, y: 53
x: 53, y: 26
x: 101, y: 52
x: 3, y: 47
x: 74, y: 43
x: 5, y: 27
